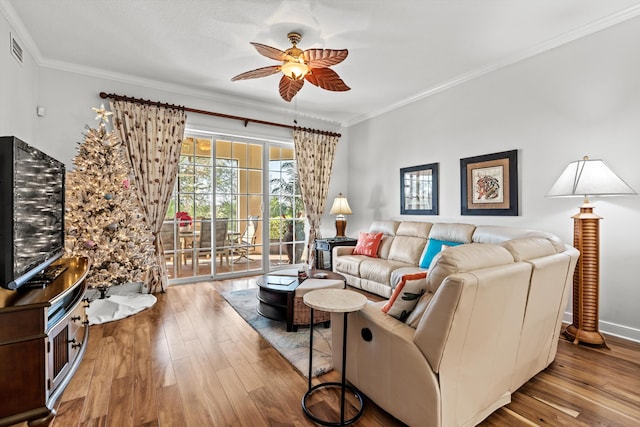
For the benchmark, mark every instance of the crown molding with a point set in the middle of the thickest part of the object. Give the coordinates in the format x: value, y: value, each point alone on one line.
x: 568, y: 37
x: 209, y: 95
x: 608, y: 21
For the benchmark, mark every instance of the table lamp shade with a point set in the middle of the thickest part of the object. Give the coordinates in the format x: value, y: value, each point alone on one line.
x: 587, y: 178
x: 340, y: 208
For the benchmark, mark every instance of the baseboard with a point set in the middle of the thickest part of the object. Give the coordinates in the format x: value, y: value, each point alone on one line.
x: 620, y: 331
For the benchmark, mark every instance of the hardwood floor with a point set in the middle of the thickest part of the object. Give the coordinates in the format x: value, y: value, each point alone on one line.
x: 192, y: 361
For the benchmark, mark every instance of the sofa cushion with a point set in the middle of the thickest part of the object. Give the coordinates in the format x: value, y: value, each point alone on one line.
x: 414, y: 229
x: 379, y: 270
x: 385, y: 227
x: 529, y: 248
x: 433, y: 247
x: 368, y: 244
x: 385, y: 246
x: 407, y: 249
x: 409, y: 242
x: 463, y: 258
x: 452, y: 232
x: 388, y: 230
x: 348, y: 264
x: 406, y: 295
x: 498, y: 234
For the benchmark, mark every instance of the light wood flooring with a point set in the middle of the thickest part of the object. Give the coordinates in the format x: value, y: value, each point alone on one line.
x: 192, y: 361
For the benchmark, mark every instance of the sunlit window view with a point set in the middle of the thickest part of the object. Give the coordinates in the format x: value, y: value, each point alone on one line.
x: 221, y: 203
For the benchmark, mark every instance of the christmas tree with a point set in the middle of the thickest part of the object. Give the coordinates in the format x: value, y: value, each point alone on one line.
x: 103, y: 220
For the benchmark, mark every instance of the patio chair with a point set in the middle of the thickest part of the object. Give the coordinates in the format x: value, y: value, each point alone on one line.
x: 167, y: 239
x: 223, y: 248
x: 247, y: 241
x: 204, y: 241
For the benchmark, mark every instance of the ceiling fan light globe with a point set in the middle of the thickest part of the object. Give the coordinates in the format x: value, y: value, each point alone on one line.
x: 294, y: 70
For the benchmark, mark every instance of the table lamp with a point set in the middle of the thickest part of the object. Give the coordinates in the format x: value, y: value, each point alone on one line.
x: 586, y: 178
x: 340, y: 208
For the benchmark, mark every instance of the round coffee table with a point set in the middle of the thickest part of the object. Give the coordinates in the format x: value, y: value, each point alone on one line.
x: 276, y: 294
x: 336, y: 301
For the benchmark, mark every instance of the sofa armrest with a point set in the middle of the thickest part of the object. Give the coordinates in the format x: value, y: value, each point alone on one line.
x: 342, y: 250
x: 470, y: 334
x: 387, y: 366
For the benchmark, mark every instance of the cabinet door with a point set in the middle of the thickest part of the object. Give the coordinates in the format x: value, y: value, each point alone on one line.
x: 22, y: 363
x: 65, y: 341
x: 59, y: 354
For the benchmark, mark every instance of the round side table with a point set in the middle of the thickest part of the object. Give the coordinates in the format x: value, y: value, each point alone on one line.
x: 336, y: 301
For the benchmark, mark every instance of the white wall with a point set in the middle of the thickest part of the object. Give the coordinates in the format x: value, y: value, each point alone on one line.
x: 18, y: 88
x: 579, y: 99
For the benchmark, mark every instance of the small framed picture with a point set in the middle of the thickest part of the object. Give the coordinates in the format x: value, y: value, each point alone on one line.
x: 419, y: 190
x: 489, y: 184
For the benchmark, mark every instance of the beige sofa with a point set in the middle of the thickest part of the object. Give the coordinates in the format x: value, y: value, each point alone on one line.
x: 403, y: 245
x: 489, y: 321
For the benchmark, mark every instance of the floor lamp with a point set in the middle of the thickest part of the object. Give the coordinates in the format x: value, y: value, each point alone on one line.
x: 586, y: 178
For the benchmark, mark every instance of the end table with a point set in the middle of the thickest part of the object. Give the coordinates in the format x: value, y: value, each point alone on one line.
x: 336, y: 301
x: 327, y: 245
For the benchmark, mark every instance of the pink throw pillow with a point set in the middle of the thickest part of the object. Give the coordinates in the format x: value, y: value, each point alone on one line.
x: 368, y: 244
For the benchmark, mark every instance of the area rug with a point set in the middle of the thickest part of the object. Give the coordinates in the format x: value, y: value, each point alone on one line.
x: 294, y: 346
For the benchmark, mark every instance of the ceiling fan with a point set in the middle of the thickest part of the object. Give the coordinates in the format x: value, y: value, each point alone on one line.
x: 298, y: 65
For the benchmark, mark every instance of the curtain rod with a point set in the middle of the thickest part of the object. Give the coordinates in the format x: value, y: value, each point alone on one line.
x: 246, y: 120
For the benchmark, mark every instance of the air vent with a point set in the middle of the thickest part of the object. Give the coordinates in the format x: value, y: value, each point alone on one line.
x: 16, y: 49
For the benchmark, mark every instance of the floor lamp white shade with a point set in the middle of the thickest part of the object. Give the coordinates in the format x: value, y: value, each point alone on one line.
x: 586, y: 178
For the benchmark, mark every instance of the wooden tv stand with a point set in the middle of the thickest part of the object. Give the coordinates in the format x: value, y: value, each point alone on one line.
x: 43, y: 333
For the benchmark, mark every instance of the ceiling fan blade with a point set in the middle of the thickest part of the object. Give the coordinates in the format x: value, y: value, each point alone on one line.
x: 327, y: 79
x: 260, y: 72
x: 268, y: 51
x: 289, y: 87
x: 318, y: 58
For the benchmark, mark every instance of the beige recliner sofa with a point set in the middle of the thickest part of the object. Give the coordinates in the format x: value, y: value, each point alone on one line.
x: 489, y: 322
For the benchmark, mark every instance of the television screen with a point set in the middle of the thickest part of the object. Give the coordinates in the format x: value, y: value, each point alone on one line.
x: 32, y: 208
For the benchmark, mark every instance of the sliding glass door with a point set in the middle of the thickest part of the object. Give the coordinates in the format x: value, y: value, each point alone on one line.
x: 215, y: 225
x: 286, y: 211
x: 239, y: 205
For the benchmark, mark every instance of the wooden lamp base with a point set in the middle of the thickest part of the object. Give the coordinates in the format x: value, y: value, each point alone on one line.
x: 341, y: 226
x: 586, y: 238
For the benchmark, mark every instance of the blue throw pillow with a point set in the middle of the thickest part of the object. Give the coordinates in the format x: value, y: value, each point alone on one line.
x: 433, y: 248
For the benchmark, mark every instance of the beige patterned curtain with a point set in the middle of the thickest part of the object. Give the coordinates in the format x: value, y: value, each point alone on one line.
x: 314, y: 156
x: 153, y: 138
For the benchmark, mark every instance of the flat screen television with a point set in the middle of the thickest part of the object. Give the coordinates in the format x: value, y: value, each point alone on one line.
x: 31, y: 212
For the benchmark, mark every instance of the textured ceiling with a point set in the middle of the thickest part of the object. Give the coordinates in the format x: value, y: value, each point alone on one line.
x: 399, y: 50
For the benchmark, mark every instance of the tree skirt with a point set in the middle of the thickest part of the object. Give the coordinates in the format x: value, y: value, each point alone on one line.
x: 118, y: 306
x: 294, y: 346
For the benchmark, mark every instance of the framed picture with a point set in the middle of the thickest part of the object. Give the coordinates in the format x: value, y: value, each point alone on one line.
x: 419, y: 190
x: 489, y: 184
